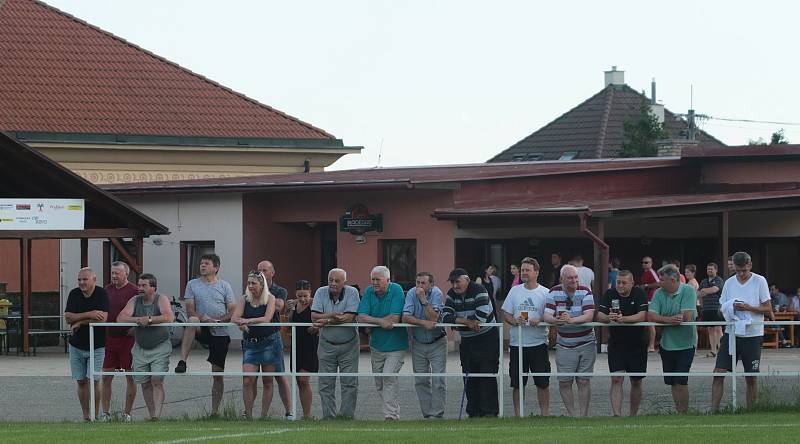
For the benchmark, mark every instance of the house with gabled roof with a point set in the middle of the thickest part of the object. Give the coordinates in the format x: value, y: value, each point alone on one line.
x: 114, y: 112
x: 594, y: 129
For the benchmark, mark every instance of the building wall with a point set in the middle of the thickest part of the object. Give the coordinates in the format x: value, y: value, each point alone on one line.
x: 210, y: 217
x: 44, y: 264
x: 277, y: 228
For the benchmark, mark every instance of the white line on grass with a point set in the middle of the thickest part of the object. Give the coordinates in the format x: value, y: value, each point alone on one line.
x: 228, y: 435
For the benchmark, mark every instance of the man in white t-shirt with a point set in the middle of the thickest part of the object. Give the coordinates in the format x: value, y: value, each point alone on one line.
x: 585, y: 274
x: 524, y: 306
x: 750, y: 295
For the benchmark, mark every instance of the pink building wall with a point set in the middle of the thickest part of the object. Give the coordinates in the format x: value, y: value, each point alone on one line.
x: 276, y: 227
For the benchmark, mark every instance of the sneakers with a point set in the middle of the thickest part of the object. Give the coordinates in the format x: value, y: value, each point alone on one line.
x: 289, y: 416
x: 126, y: 418
x: 181, y: 367
x: 104, y: 417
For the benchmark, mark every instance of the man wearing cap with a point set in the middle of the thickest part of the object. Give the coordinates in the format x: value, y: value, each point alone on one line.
x: 468, y: 304
x: 422, y: 307
x: 335, y: 304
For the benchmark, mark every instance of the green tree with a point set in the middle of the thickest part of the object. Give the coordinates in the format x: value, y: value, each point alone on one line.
x: 778, y: 138
x: 641, y: 133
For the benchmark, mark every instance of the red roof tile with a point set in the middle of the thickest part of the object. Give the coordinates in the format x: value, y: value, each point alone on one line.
x: 62, y: 75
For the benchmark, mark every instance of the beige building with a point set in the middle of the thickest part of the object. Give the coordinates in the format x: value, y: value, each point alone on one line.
x: 116, y: 113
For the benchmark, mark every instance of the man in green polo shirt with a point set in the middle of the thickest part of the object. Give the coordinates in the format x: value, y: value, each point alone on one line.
x: 382, y: 305
x: 673, y: 304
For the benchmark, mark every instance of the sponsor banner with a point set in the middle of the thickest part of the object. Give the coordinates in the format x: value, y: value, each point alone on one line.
x: 42, y: 214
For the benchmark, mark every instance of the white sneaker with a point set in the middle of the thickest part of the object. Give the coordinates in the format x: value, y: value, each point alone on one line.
x: 289, y: 417
x: 126, y: 418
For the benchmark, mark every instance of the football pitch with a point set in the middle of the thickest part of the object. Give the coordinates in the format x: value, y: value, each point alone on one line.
x: 772, y: 427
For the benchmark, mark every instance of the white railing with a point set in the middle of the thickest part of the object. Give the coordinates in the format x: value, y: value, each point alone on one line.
x: 499, y: 375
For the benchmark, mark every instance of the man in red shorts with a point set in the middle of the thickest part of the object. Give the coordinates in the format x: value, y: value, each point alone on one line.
x: 119, y: 340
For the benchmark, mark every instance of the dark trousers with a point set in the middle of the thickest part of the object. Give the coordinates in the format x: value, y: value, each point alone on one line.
x: 480, y: 354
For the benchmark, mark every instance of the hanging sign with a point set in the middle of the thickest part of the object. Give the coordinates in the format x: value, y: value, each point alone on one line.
x: 42, y: 214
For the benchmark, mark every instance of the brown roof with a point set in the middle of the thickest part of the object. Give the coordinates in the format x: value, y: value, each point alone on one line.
x: 404, y: 177
x: 62, y: 75
x: 594, y: 129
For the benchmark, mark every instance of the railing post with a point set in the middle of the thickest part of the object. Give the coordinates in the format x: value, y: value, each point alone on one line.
x: 732, y: 334
x: 519, y: 370
x: 293, y: 369
x: 501, y: 399
x: 91, y: 373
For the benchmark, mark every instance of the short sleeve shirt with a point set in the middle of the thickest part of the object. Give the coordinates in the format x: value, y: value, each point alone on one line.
x: 629, y: 305
x: 347, y: 302
x: 378, y: 306
x: 676, y: 337
x: 414, y: 308
x: 211, y: 299
x: 753, y: 292
x: 279, y: 293
x: 78, y: 303
x: 521, y: 299
x: 571, y: 336
x: 710, y: 302
x: 649, y: 277
x: 117, y: 300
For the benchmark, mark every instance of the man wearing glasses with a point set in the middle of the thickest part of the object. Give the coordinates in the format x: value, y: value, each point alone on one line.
x: 745, y: 295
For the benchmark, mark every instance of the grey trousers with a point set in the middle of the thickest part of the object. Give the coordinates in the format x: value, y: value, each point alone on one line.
x: 431, y: 391
x: 387, y: 386
x: 333, y: 359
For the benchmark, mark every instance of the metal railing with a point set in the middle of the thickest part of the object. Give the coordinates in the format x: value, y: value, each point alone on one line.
x: 292, y: 372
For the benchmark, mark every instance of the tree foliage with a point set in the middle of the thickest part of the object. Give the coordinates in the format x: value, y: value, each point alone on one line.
x: 777, y: 138
x: 640, y: 134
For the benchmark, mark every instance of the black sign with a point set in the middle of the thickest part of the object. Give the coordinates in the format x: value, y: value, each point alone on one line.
x: 357, y: 220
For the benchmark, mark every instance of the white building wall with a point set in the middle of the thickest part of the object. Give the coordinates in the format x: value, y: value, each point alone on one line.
x: 209, y: 217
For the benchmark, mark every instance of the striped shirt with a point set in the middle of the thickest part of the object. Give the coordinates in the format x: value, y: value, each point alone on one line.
x: 571, y: 336
x: 473, y: 304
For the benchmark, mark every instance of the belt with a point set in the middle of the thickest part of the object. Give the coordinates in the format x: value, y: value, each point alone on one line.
x: 257, y: 339
x: 435, y: 340
x: 339, y: 343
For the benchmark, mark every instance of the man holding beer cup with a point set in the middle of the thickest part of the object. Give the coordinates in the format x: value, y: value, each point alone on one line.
x: 627, y: 346
x: 569, y: 305
x: 524, y: 306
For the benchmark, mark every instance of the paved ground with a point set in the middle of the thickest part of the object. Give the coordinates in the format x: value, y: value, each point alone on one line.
x: 47, y: 393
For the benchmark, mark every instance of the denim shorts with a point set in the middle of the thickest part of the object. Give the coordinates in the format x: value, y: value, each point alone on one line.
x: 79, y: 362
x: 267, y: 351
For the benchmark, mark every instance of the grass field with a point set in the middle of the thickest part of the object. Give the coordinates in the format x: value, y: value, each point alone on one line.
x: 772, y: 427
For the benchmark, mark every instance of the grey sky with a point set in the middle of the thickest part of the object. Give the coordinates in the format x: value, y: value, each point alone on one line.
x: 459, y: 81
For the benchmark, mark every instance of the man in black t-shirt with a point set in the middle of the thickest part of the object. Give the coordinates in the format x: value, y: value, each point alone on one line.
x: 627, y: 346
x: 85, y: 304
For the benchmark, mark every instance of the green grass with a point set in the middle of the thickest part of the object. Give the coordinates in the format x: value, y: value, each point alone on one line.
x: 772, y: 427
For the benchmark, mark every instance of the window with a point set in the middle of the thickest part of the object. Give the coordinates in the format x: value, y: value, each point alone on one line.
x: 526, y: 157
x: 400, y: 256
x: 568, y: 155
x: 190, y: 260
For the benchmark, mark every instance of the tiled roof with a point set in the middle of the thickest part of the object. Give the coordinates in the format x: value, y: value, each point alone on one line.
x: 62, y: 75
x: 594, y: 129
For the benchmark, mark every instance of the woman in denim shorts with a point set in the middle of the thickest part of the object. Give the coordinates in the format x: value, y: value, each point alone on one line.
x: 262, y: 345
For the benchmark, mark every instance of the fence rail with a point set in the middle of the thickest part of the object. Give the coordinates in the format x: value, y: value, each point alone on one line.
x: 292, y: 372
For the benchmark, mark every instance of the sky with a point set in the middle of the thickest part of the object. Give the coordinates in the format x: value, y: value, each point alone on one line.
x: 444, y: 82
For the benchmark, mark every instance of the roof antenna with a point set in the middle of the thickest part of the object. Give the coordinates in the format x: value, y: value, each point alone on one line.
x: 380, y: 153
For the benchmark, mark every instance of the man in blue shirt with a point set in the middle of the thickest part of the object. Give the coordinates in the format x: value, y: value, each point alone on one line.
x: 382, y: 305
x: 429, y: 347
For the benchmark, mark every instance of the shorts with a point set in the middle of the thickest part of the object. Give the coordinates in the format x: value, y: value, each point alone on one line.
x: 118, y: 352
x: 748, y: 350
x: 151, y: 360
x: 267, y: 351
x: 534, y: 360
x: 627, y: 359
x: 677, y: 361
x: 712, y: 316
x: 217, y: 346
x: 79, y: 362
x: 575, y: 360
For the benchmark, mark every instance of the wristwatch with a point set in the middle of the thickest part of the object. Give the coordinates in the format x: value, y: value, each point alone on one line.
x: 425, y: 304
x: 149, y: 320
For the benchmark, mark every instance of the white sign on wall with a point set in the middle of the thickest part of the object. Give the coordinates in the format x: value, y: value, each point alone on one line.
x: 42, y: 214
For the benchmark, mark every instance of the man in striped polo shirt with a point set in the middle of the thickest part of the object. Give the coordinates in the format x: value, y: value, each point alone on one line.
x: 569, y: 305
x: 469, y: 304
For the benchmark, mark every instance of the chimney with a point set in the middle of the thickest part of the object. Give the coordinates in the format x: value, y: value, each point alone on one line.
x: 656, y: 108
x: 615, y: 77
